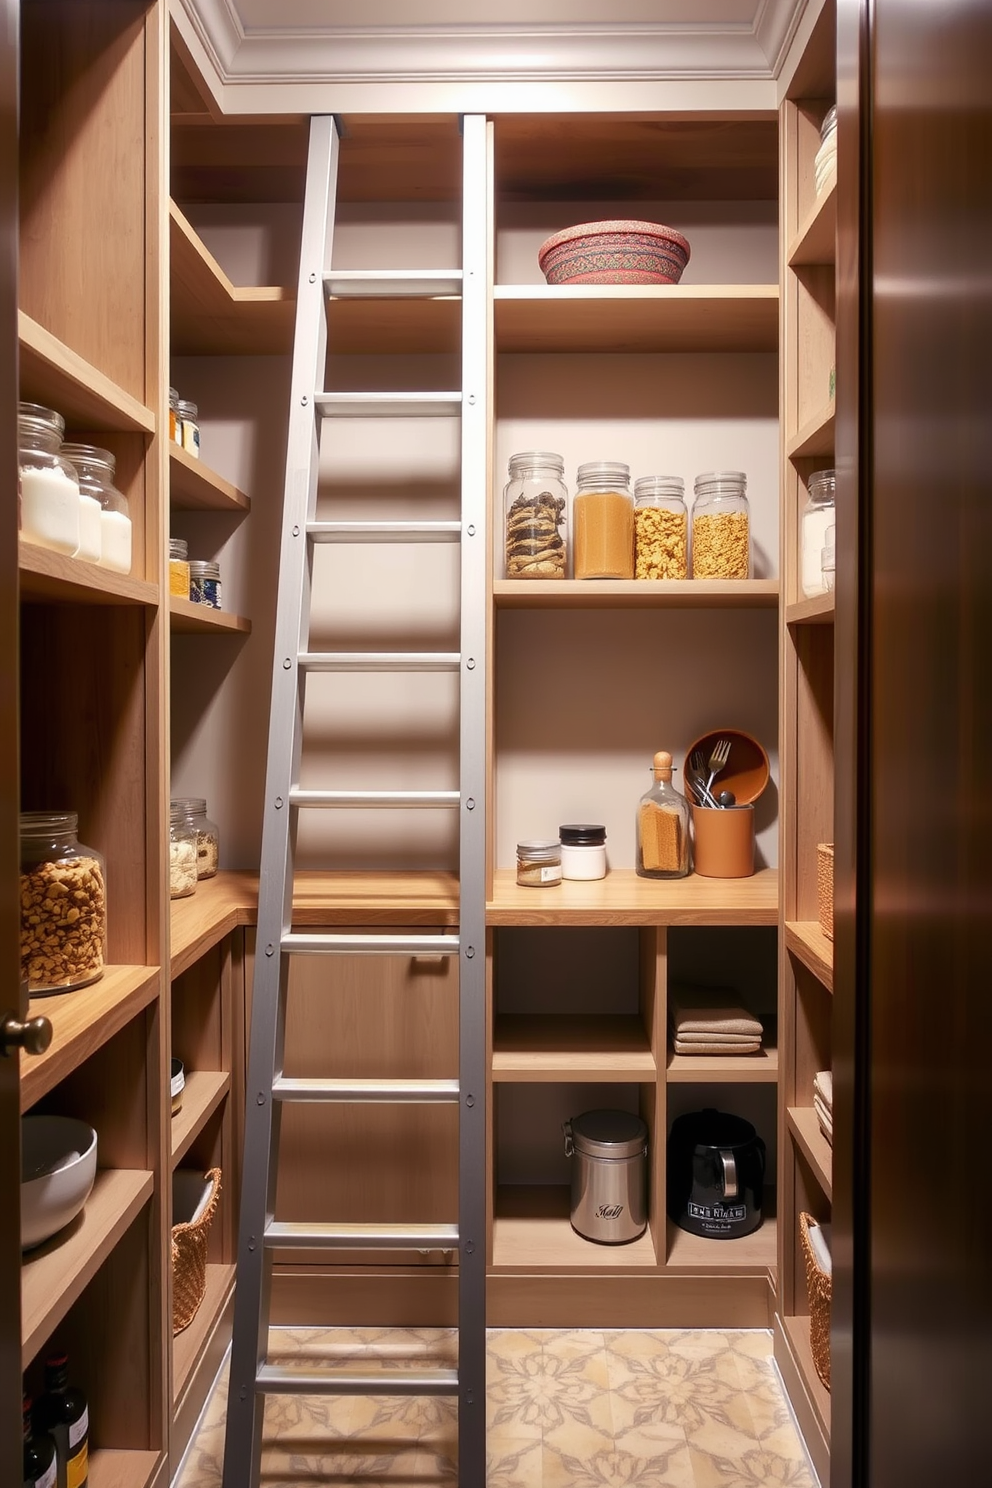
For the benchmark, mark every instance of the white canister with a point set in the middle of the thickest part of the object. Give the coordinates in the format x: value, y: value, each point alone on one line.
x: 583, y: 850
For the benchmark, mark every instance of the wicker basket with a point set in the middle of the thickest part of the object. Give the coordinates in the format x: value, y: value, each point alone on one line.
x: 825, y: 887
x: 189, y: 1259
x: 818, y: 1287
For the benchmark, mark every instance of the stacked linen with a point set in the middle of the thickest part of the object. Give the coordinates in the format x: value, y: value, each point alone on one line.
x: 823, y: 1103
x: 705, y: 1020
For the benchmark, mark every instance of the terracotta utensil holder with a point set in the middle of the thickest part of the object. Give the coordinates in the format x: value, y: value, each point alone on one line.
x: 723, y: 841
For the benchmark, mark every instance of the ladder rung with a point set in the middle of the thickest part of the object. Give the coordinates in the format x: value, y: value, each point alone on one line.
x: 388, y: 405
x: 273, y: 1380
x: 326, y: 799
x: 384, y: 532
x: 284, y: 1233
x: 380, y: 661
x: 329, y: 943
x: 394, y: 283
x: 383, y: 1092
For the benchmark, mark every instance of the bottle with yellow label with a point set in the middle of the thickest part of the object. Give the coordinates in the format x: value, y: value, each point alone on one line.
x: 63, y: 1412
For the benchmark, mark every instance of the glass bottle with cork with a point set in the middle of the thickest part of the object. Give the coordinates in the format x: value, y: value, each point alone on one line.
x: 603, y: 521
x: 663, y: 826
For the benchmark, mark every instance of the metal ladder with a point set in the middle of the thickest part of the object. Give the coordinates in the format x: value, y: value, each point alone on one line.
x: 252, y: 1377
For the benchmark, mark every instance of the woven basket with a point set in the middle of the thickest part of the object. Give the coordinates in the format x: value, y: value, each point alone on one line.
x: 825, y: 887
x: 818, y: 1288
x: 189, y: 1260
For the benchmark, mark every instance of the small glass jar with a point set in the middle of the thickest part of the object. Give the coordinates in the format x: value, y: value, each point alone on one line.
x: 63, y: 890
x: 204, y: 583
x: 603, y: 521
x: 535, y: 506
x: 190, y: 428
x: 182, y: 855
x: 818, y: 515
x: 825, y: 162
x: 48, y: 485
x: 661, y: 528
x: 663, y: 826
x: 96, y: 469
x: 193, y: 810
x: 583, y: 850
x: 828, y: 560
x: 175, y: 419
x: 721, y: 526
x: 178, y: 568
x: 539, y: 863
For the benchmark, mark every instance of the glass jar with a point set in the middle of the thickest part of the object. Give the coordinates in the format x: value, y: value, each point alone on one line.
x: 539, y: 863
x: 190, y: 428
x: 63, y: 904
x: 535, y: 504
x: 193, y: 811
x: 817, y: 517
x: 828, y: 560
x: 175, y: 419
x: 96, y: 469
x: 663, y: 826
x: 721, y: 528
x: 603, y: 521
x: 661, y: 528
x: 182, y: 854
x: 825, y: 162
x: 204, y: 583
x: 49, y: 488
x: 583, y: 850
x: 178, y: 568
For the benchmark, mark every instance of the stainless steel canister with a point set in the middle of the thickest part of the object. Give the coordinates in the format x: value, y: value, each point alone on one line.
x: 609, y: 1175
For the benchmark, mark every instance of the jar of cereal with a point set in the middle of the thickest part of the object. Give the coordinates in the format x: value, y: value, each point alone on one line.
x: 193, y: 811
x: 63, y: 904
x: 721, y: 535
x: 661, y: 528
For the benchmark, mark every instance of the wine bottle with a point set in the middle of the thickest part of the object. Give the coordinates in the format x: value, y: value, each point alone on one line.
x: 64, y: 1413
x: 40, y: 1467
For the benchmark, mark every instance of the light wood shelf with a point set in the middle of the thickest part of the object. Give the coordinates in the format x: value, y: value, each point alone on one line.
x: 802, y: 1123
x: 187, y: 618
x: 46, y: 575
x: 622, y: 898
x: 727, y: 1069
x: 82, y: 1022
x: 188, y: 1346
x: 193, y: 486
x: 635, y: 594
x: 54, y: 1275
x: 56, y: 377
x: 805, y: 939
x: 538, y: 1049
x: 198, y: 922
x: 622, y: 317
x: 816, y: 611
x: 203, y: 1093
x: 213, y: 317
x: 797, y: 1335
x: 816, y: 240
x: 756, y: 1252
x: 532, y: 1231
x: 116, y: 1469
x: 816, y: 436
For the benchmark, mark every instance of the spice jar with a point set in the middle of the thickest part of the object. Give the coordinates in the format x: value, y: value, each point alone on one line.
x: 583, y: 850
x: 535, y: 500
x: 663, y: 826
x: 178, y: 568
x: 603, y: 517
x: 63, y: 904
x: 817, y: 517
x: 539, y: 863
x: 182, y: 855
x: 96, y: 469
x: 721, y: 535
x: 175, y: 418
x: 193, y: 811
x: 661, y: 528
x: 49, y: 487
x: 190, y: 428
x: 204, y: 583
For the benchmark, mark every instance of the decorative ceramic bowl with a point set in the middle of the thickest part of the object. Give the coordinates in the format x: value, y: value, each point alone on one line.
x: 623, y: 252
x: 58, y: 1166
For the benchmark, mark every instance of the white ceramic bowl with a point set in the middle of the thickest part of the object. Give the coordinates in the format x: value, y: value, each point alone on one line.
x: 58, y: 1166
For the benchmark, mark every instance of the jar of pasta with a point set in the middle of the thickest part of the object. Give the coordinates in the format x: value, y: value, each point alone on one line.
x: 63, y: 904
x: 535, y: 503
x: 661, y: 528
x: 603, y: 521
x: 721, y: 530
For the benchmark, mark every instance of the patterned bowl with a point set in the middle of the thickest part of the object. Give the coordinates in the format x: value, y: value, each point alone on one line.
x: 614, y: 253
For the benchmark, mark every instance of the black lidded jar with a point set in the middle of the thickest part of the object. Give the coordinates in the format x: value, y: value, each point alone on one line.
x: 716, y: 1172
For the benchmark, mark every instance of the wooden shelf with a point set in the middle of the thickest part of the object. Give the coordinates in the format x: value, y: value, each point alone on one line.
x: 816, y: 436
x: 797, y: 1336
x: 728, y: 1069
x: 751, y: 1253
x: 816, y: 611
x: 622, y: 898
x: 805, y: 939
x: 816, y: 240
x: 635, y: 594
x: 202, y: 1094
x: 638, y: 317
x: 219, y: 906
x: 210, y: 316
x: 113, y: 1469
x: 82, y: 1022
x: 188, y: 1346
x: 193, y: 486
x: 532, y: 1231
x: 377, y: 324
x: 58, y: 378
x: 54, y: 1275
x: 46, y: 575
x: 802, y: 1123
x: 186, y: 618
x: 538, y: 1048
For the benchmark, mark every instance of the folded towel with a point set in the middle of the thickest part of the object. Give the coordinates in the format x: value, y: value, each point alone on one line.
x: 823, y: 1086
x: 825, y: 1118
x: 713, y: 1038
x: 709, y: 1010
x: 681, y: 1047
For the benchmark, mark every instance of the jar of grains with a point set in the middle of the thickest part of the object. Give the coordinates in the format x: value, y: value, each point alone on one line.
x: 182, y: 854
x: 817, y: 518
x: 661, y: 528
x: 193, y: 810
x: 178, y: 567
x: 535, y: 503
x: 721, y: 534
x: 63, y: 904
x: 96, y: 469
x: 603, y: 518
x: 49, y: 487
x: 539, y: 863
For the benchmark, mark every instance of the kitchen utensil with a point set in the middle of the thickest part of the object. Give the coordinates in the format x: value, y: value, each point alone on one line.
x: 716, y: 1171
x: 726, y: 798
x: 746, y: 771
x: 694, y: 779
x: 58, y: 1166
x: 723, y: 841
x: 719, y: 756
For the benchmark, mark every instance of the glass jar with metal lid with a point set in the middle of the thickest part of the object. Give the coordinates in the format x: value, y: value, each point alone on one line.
x: 189, y: 427
x: 63, y: 904
x: 721, y: 526
x: 193, y: 811
x: 182, y: 854
x: 539, y: 863
x: 609, y: 1175
x: 535, y: 509
x: 179, y: 567
x: 49, y: 486
x: 96, y: 469
x: 661, y: 528
x: 603, y: 521
x: 204, y: 583
x: 817, y: 516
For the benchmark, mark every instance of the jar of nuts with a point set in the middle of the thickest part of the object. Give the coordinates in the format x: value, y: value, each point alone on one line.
x: 182, y: 853
x: 661, y: 528
x: 193, y: 811
x: 721, y: 529
x: 63, y: 905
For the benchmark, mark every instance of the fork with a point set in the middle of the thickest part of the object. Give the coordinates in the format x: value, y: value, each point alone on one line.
x: 697, y: 768
x: 718, y: 760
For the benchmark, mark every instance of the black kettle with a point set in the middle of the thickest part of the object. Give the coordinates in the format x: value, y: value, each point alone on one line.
x: 716, y: 1174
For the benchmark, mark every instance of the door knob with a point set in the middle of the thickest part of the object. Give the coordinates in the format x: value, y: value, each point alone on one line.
x: 33, y: 1035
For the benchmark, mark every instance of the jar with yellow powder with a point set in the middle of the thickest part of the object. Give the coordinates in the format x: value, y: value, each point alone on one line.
x: 603, y: 521
x: 721, y: 528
